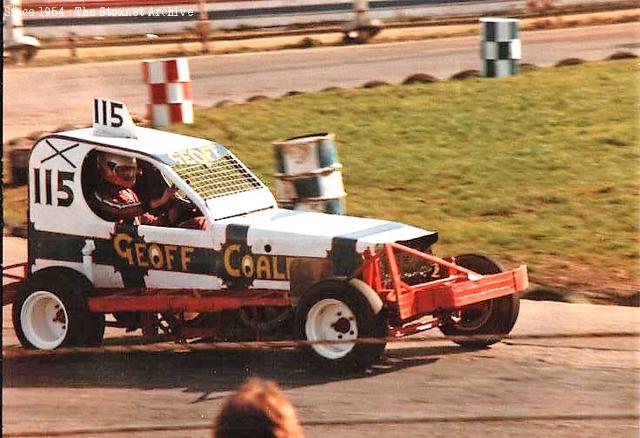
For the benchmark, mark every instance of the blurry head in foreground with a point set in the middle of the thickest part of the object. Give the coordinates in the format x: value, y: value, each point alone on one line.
x: 257, y: 410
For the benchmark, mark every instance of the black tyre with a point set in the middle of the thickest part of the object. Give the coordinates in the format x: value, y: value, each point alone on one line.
x: 95, y: 330
x: 51, y: 312
x: 489, y: 321
x: 334, y: 310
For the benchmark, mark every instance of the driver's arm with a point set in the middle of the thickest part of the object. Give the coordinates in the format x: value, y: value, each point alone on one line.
x: 118, y: 208
x: 167, y: 196
x: 163, y: 220
x: 127, y: 206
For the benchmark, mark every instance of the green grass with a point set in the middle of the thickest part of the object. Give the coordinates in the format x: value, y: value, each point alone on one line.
x: 540, y: 169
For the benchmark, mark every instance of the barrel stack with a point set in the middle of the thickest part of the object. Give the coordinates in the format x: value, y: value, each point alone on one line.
x: 309, y: 176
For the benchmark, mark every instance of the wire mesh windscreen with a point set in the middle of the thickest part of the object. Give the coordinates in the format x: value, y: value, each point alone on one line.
x: 223, y: 177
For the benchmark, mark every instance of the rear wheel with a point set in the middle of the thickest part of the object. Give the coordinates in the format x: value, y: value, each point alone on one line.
x: 50, y: 313
x: 488, y: 321
x: 335, y: 311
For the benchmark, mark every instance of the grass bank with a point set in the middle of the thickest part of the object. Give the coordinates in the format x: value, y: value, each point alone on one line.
x: 540, y: 169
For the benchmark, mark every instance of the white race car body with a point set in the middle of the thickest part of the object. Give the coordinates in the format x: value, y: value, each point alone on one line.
x: 249, y: 243
x: 248, y: 269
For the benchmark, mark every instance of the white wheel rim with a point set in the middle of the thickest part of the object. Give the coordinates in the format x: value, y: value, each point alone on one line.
x: 44, y: 320
x: 331, y: 320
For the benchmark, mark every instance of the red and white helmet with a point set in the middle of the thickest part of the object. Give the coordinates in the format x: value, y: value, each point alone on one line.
x: 118, y: 169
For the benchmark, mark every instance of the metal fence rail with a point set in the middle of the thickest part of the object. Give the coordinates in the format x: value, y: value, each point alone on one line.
x: 118, y: 17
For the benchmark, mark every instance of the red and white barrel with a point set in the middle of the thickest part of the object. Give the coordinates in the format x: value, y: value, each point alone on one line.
x: 169, y: 84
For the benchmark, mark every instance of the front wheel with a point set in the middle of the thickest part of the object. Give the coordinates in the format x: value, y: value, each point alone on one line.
x: 335, y: 311
x: 486, y: 322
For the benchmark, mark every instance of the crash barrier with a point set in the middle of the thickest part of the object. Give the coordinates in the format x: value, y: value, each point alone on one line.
x: 309, y: 176
x: 54, y: 18
x: 169, y: 84
x: 500, y: 47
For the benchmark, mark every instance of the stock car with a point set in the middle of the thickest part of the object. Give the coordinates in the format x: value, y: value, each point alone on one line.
x: 340, y: 285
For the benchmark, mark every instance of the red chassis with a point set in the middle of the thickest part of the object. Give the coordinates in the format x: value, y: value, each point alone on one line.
x: 450, y: 290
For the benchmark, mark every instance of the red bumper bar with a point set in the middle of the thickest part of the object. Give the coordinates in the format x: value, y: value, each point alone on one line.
x: 461, y: 288
x: 426, y: 298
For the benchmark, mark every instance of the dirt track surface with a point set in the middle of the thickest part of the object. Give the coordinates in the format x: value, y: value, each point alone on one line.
x: 569, y: 386
x: 44, y: 98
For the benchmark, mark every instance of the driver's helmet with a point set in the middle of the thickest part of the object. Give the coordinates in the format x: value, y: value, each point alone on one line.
x: 117, y: 169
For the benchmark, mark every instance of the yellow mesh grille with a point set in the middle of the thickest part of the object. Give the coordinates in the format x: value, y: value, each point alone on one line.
x: 224, y: 176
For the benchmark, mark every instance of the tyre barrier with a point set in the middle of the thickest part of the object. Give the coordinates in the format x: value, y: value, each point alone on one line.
x: 374, y: 84
x: 257, y: 98
x: 309, y: 176
x: 224, y: 103
x: 501, y: 49
x: 419, y: 78
x: 170, y: 99
x: 524, y: 67
x: 568, y: 62
x: 465, y: 74
x: 621, y: 55
x: 542, y: 293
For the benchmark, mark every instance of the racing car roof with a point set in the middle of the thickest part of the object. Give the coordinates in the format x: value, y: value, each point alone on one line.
x: 150, y: 142
x: 113, y: 127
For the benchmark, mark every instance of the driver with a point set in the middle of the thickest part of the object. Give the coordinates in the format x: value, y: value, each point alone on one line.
x: 115, y: 199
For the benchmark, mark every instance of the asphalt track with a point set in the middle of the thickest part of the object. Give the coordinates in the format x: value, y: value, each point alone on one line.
x: 45, y: 98
x: 571, y: 370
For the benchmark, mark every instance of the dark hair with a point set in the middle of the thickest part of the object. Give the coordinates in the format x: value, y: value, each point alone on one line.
x: 257, y: 410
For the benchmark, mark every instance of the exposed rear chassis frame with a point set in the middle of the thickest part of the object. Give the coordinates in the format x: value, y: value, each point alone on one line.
x: 409, y: 304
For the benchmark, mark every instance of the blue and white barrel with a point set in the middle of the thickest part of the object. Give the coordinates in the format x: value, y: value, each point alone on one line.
x: 500, y: 49
x: 305, y: 153
x: 309, y: 176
